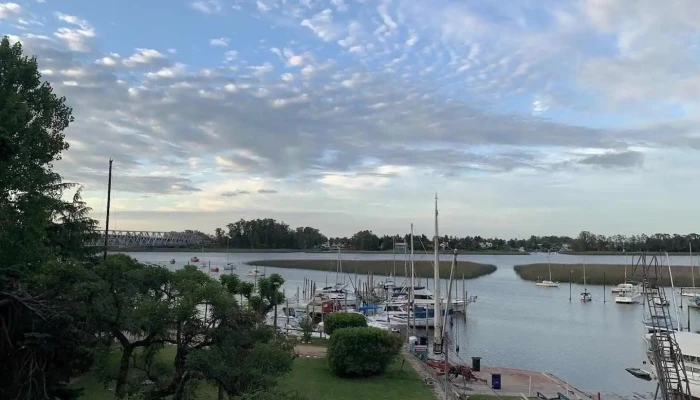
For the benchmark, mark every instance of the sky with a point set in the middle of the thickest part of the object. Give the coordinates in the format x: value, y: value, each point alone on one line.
x: 524, y: 116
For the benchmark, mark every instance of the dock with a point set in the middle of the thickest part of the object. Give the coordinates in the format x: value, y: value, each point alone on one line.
x: 514, y: 383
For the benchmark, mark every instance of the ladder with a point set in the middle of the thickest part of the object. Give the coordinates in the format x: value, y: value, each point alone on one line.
x: 664, y: 350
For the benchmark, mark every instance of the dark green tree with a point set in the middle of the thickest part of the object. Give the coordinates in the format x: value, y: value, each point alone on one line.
x: 47, y: 335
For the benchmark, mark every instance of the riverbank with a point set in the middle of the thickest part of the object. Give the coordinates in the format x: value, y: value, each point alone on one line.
x: 200, y: 250
x: 620, y: 253
x: 598, y: 274
x: 423, y: 268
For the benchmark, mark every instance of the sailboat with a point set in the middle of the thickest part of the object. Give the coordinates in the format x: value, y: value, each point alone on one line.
x: 585, y: 296
x: 229, y: 266
x: 548, y: 283
x: 694, y: 292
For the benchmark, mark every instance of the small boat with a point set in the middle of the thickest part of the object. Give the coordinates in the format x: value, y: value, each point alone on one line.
x: 215, y: 269
x: 585, y: 296
x: 204, y: 265
x: 194, y: 259
x: 254, y: 272
x: 639, y: 373
x: 229, y: 267
x: 172, y: 261
x: 659, y: 302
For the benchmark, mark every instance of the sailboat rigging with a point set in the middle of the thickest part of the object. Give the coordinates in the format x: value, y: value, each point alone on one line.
x: 585, y: 296
x: 548, y: 283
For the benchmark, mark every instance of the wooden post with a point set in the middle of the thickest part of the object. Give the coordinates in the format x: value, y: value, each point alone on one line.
x: 109, y: 199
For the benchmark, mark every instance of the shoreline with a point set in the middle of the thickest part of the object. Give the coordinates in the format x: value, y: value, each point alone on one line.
x: 423, y: 268
x: 310, y: 251
x: 599, y: 274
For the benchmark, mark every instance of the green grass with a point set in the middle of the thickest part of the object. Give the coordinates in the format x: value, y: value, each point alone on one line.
x: 614, y: 274
x: 423, y: 268
x: 312, y: 378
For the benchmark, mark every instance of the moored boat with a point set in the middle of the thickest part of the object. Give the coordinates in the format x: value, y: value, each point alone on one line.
x: 194, y: 259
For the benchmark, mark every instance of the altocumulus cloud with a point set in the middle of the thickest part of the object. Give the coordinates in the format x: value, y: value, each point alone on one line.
x: 366, y: 95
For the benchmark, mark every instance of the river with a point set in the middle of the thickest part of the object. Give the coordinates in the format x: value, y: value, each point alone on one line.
x: 514, y: 323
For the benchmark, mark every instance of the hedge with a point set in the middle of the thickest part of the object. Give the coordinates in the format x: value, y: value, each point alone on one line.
x: 362, y: 351
x: 338, y: 320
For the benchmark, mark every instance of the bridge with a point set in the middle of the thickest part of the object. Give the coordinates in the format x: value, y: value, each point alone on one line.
x: 150, y: 239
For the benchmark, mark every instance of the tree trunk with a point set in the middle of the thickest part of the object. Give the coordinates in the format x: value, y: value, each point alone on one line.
x: 120, y: 388
x: 221, y: 392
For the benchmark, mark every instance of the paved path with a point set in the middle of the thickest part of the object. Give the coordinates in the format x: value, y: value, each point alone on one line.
x: 308, y: 350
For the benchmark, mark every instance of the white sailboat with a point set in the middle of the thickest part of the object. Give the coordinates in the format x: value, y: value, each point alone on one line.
x: 548, y: 283
x: 694, y: 291
x: 585, y: 296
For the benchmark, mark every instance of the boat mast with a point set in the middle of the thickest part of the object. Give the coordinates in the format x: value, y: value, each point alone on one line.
x: 109, y: 199
x: 549, y: 264
x: 410, y: 292
x: 692, y: 272
x: 437, y: 339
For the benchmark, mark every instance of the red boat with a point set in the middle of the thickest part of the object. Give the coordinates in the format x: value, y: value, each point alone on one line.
x: 194, y: 259
x: 215, y: 269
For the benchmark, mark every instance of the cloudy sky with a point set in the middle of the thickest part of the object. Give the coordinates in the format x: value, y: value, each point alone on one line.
x: 526, y: 116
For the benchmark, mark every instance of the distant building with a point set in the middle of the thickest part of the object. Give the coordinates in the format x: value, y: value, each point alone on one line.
x: 485, y: 245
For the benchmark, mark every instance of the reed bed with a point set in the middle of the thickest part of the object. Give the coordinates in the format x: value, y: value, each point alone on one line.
x: 614, y: 274
x: 423, y: 268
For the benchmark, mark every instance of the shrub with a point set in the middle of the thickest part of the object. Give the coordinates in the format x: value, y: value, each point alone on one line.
x: 307, y: 327
x: 362, y: 351
x: 343, y: 320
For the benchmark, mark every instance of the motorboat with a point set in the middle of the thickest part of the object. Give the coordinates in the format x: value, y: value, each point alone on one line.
x: 425, y: 298
x: 254, y: 272
x: 628, y: 294
x: 639, y: 373
x: 215, y: 269
x: 194, y: 259
x: 229, y: 267
x: 337, y: 292
x: 172, y: 261
x: 663, y: 324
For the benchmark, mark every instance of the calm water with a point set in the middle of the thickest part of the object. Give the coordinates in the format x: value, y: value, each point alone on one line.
x: 514, y: 323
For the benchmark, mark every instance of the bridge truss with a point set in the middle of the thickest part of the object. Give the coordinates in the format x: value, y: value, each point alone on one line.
x: 150, y: 239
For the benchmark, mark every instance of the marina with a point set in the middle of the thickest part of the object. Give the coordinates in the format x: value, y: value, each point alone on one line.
x: 513, y: 323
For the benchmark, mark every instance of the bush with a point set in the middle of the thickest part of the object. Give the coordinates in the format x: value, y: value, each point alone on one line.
x: 343, y: 320
x: 362, y: 351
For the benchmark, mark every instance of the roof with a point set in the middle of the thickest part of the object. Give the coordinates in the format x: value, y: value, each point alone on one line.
x: 689, y: 342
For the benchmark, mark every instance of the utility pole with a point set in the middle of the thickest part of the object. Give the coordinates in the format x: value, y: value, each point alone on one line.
x: 109, y: 194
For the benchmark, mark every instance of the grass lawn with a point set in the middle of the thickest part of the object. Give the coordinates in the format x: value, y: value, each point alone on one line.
x: 312, y: 378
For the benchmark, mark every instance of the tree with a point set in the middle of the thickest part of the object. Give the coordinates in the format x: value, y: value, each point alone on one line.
x: 32, y: 119
x: 47, y: 337
x: 225, y: 345
x: 268, y: 294
x: 134, y: 310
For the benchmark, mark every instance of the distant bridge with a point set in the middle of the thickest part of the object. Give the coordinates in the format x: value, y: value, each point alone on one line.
x: 150, y: 239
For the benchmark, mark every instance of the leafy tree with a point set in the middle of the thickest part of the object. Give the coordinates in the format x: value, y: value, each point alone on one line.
x: 362, y: 351
x: 224, y: 344
x: 268, y: 294
x: 48, y: 337
x: 135, y: 305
